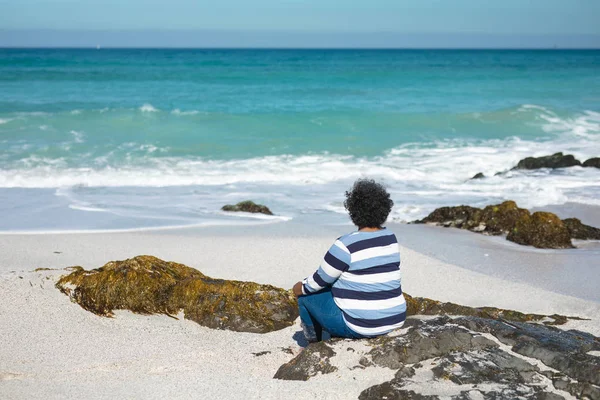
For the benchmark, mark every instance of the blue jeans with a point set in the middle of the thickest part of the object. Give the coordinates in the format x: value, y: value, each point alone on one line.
x: 320, y: 311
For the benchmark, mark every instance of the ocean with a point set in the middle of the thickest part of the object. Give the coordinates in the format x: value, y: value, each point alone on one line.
x: 107, y: 139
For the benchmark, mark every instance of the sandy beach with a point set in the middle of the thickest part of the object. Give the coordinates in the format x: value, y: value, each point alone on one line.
x: 55, y: 349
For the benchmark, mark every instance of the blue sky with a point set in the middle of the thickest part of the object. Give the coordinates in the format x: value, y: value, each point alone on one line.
x: 380, y: 21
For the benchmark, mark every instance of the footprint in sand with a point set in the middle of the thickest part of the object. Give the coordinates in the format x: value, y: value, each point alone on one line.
x: 9, y: 376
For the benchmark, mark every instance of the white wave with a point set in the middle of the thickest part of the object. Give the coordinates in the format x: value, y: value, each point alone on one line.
x: 147, y: 107
x: 77, y: 136
x: 76, y: 112
x: 177, y: 111
x: 5, y: 121
x: 86, y: 208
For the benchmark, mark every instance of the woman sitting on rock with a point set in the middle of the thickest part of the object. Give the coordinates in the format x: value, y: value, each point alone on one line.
x: 356, y: 292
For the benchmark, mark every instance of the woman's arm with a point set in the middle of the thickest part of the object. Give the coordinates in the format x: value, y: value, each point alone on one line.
x: 336, y: 261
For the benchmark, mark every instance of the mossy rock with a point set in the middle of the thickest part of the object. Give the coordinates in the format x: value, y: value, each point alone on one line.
x: 501, y: 218
x: 492, y: 220
x: 463, y: 217
x: 557, y: 160
x: 543, y: 230
x: 425, y: 306
x: 577, y: 230
x: 247, y: 206
x: 592, y: 162
x: 148, y: 285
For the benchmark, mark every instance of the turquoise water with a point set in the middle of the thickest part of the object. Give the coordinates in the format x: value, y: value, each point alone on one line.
x: 114, y: 139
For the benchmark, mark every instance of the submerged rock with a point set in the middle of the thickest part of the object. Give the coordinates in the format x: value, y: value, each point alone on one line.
x: 468, y: 358
x: 247, y: 206
x: 543, y: 230
x: 581, y: 231
x: 557, y: 160
x: 148, y: 285
x: 592, y: 162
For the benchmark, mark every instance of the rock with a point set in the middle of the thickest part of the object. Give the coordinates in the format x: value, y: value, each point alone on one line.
x: 501, y: 218
x: 483, y: 358
x: 492, y: 220
x: 247, y: 206
x: 478, y: 175
x: 577, y: 230
x: 542, y: 230
x: 310, y: 362
x: 557, y: 160
x: 148, y: 285
x: 463, y: 217
x: 565, y: 351
x: 425, y: 306
x: 592, y: 162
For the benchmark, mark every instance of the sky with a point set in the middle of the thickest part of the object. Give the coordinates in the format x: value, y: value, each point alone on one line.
x: 281, y: 23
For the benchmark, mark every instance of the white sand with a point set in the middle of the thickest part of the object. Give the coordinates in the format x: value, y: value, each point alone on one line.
x: 54, y: 349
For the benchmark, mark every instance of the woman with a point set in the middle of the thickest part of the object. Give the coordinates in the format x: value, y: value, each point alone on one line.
x: 356, y: 292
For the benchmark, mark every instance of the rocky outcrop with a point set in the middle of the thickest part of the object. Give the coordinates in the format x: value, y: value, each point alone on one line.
x: 308, y: 364
x: 425, y: 306
x: 580, y: 231
x: 478, y: 175
x: 492, y: 220
x: 148, y: 285
x: 543, y: 230
x: 557, y: 160
x: 247, y: 206
x: 466, y: 358
x: 592, y: 162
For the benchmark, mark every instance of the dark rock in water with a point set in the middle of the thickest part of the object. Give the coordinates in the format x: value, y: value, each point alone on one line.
x: 501, y: 218
x: 148, y: 285
x: 592, y: 162
x: 492, y: 220
x: 248, y: 206
x: 557, y: 160
x: 463, y: 217
x: 478, y: 175
x: 310, y: 362
x: 581, y: 231
x: 542, y: 230
x: 472, y: 353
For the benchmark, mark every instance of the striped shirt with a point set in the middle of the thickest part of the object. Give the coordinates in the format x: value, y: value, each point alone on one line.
x: 363, y: 270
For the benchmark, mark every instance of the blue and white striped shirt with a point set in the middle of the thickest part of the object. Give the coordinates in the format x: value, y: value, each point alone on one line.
x: 363, y: 270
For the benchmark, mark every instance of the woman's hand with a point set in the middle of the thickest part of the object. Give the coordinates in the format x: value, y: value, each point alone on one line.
x: 297, y: 289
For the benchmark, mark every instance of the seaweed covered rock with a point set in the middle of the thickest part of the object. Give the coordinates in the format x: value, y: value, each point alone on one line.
x: 542, y: 230
x: 148, y: 285
x: 578, y: 230
x: 425, y: 306
x: 592, y: 162
x: 501, y: 218
x: 463, y: 217
x: 492, y: 220
x: 557, y: 160
x: 468, y: 358
x: 247, y: 206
